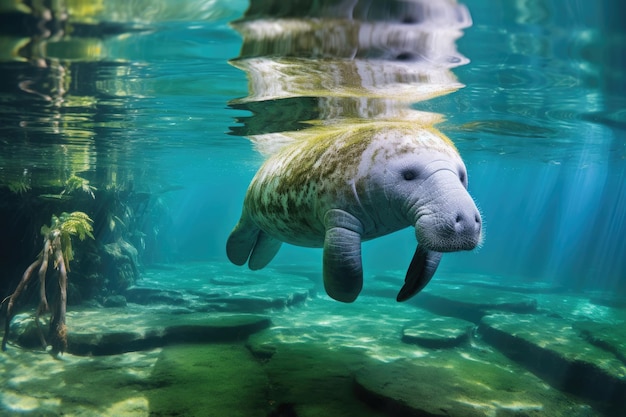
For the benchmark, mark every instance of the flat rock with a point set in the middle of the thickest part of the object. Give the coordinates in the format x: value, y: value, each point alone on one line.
x: 369, y: 329
x: 36, y: 384
x: 208, y: 380
x: 608, y: 300
x: 471, y: 303
x: 465, y: 385
x: 261, y: 346
x: 404, y: 389
x: 372, y: 325
x: 578, y: 307
x: 260, y: 301
x: 503, y: 284
x: 315, y: 380
x: 133, y: 329
x: 115, y: 301
x: 437, y: 332
x: 217, y: 287
x: 606, y: 336
x: 388, y: 285
x: 309, y: 355
x: 182, y: 380
x: 555, y: 349
x: 145, y: 296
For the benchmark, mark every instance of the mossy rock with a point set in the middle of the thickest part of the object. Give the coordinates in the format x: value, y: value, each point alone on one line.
x: 183, y: 380
x: 606, y: 336
x: 471, y: 303
x: 461, y: 385
x: 208, y: 380
x: 132, y: 329
x: 561, y: 354
x: 315, y: 380
x: 438, y: 332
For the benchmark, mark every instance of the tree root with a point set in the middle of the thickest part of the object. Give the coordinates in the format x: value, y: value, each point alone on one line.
x: 57, y: 248
x: 57, y: 333
x: 58, y: 330
x: 8, y: 304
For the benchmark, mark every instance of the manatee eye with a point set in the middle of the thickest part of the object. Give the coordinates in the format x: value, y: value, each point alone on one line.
x: 409, y: 174
x: 462, y: 177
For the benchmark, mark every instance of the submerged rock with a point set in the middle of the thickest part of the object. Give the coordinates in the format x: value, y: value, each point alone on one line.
x: 182, y: 380
x: 115, y: 301
x: 119, y: 262
x: 207, y: 380
x: 437, y: 332
x: 403, y: 389
x: 608, y: 300
x: 315, y: 379
x: 146, y: 296
x: 503, y: 284
x: 460, y: 386
x: 606, y: 336
x: 471, y: 303
x: 261, y: 346
x: 321, y: 358
x: 562, y: 355
x: 212, y: 287
x: 577, y: 307
x: 134, y: 329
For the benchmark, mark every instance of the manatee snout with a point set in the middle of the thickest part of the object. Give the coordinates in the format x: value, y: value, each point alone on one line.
x: 447, y: 222
x: 450, y: 222
x: 466, y: 231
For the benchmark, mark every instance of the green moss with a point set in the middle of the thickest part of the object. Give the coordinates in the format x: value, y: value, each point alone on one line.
x: 208, y: 380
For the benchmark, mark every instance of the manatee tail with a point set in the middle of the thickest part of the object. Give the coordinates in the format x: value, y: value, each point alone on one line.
x: 249, y: 243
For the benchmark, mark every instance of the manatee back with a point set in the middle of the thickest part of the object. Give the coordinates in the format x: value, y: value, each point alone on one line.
x: 325, y: 169
x: 295, y: 187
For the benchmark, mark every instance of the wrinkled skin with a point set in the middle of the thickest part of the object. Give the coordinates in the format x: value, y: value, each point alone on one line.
x: 337, y: 191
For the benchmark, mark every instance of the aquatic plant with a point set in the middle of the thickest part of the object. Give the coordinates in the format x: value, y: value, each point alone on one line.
x: 18, y: 187
x: 72, y: 224
x: 57, y: 248
x: 76, y: 183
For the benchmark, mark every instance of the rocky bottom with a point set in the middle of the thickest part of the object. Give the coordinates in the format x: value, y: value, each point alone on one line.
x: 214, y: 340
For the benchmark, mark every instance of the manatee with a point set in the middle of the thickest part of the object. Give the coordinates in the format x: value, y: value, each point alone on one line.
x: 340, y: 187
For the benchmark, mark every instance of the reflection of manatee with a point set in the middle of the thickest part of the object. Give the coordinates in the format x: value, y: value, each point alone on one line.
x: 360, y: 49
x: 338, y: 188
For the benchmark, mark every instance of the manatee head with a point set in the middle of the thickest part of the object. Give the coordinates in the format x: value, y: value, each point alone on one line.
x: 424, y: 184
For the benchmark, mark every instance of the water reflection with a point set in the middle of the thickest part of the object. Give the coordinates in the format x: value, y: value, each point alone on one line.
x: 76, y: 77
x: 79, y: 83
x: 46, y: 119
x: 337, y: 62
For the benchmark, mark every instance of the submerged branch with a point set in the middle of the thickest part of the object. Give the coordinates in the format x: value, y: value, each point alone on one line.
x: 58, y: 330
x: 57, y: 243
x: 10, y: 300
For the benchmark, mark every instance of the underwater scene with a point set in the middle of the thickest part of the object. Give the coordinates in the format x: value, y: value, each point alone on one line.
x: 308, y: 208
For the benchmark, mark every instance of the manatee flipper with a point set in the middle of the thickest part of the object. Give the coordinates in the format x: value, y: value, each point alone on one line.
x: 241, y: 241
x: 265, y: 248
x: 422, y: 268
x: 343, y: 270
x: 248, y: 241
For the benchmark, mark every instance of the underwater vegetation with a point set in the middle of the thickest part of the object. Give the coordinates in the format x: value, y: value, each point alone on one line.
x: 57, y: 250
x: 76, y: 183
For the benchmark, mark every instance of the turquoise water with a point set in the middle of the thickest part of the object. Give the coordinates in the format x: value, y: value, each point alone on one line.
x: 167, y: 109
x: 539, y: 124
